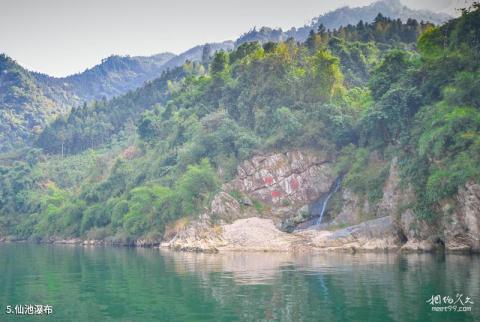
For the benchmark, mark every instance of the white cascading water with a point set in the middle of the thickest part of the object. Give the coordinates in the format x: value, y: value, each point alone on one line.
x: 325, y: 202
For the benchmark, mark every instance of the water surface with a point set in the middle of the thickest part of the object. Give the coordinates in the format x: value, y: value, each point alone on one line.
x: 127, y: 284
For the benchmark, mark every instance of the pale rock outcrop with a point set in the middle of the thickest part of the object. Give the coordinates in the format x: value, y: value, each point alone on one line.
x: 418, y: 246
x: 393, y: 195
x: 72, y: 241
x: 373, y: 235
x: 199, y: 236
x: 353, y: 209
x: 414, y: 233
x: 256, y: 234
x: 284, y: 182
x: 458, y: 230
x: 462, y: 227
x: 226, y: 207
x: 295, y: 177
x: 252, y: 234
x: 356, y: 209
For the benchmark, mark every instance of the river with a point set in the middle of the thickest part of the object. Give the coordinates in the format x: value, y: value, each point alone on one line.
x: 134, y: 284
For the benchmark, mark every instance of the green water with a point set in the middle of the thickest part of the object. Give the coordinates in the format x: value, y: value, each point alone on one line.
x: 121, y: 284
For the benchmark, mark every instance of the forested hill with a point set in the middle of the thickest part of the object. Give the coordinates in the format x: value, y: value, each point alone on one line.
x: 98, y: 123
x: 357, y: 47
x: 344, y: 17
x: 364, y: 103
x: 116, y: 75
x: 24, y: 107
x: 31, y: 100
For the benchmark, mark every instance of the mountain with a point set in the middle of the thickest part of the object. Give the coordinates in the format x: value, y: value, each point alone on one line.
x: 114, y: 76
x: 273, y: 132
x: 195, y: 53
x: 117, y: 75
x: 455, y: 6
x: 29, y: 100
x: 24, y: 107
x: 390, y: 8
x: 97, y: 125
x: 343, y: 17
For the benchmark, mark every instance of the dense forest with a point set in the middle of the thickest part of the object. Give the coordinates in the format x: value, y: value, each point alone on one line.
x: 29, y: 100
x: 124, y: 168
x: 24, y: 108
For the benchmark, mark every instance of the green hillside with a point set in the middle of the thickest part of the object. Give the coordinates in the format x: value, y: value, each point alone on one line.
x: 125, y: 168
x: 24, y: 107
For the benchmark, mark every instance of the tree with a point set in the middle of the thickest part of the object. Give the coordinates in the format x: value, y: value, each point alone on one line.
x: 196, y: 186
x: 206, y: 53
x: 220, y: 63
x: 324, y: 79
x: 392, y: 68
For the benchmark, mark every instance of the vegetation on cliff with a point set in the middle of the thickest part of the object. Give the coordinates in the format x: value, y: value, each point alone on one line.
x: 129, y: 166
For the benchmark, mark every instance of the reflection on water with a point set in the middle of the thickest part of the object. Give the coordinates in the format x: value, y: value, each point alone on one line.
x: 120, y: 284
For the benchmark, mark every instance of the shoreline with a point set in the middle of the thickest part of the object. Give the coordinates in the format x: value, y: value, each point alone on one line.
x: 302, y: 249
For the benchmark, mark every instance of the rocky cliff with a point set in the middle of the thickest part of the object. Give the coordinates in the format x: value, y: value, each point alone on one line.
x: 268, y: 207
x: 282, y: 185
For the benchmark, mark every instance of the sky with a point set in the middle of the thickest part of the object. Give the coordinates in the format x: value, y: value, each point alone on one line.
x: 62, y: 37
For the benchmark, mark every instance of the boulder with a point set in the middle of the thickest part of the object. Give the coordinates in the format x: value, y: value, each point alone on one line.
x: 373, y: 235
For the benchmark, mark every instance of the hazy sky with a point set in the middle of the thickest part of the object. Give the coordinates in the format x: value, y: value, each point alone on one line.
x: 61, y: 37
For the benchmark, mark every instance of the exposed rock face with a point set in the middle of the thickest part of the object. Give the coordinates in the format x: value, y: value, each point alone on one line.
x: 393, y: 195
x: 287, y: 183
x: 297, y: 177
x: 356, y: 209
x: 373, y: 235
x: 253, y: 234
x: 199, y: 236
x: 226, y: 207
x: 353, y: 209
x: 256, y: 234
x: 418, y: 235
x: 284, y: 182
x: 462, y: 228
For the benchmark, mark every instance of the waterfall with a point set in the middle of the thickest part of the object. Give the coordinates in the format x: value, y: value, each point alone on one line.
x: 324, y: 202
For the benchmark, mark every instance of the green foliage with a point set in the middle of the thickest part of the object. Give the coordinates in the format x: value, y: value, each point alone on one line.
x: 219, y: 64
x: 24, y: 107
x: 196, y: 186
x: 259, y: 206
x: 127, y: 167
x: 357, y: 59
x: 445, y: 133
x: 365, y: 172
x: 249, y: 49
x: 99, y: 123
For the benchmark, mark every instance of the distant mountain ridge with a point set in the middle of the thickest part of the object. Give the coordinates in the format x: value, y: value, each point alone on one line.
x: 24, y: 109
x: 29, y: 100
x: 116, y: 75
x: 345, y: 16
